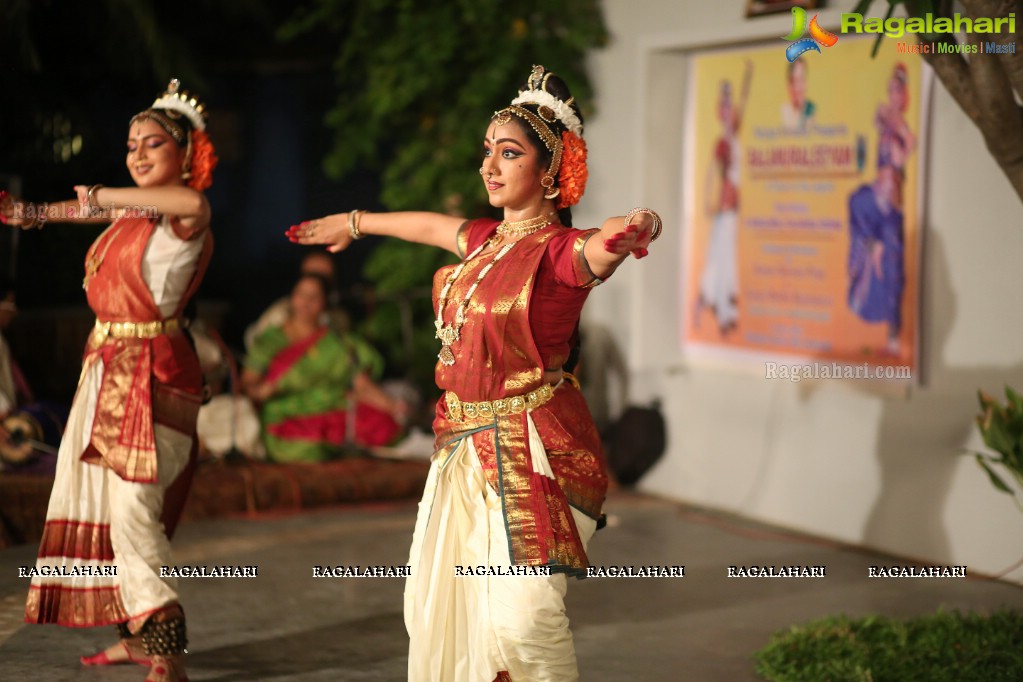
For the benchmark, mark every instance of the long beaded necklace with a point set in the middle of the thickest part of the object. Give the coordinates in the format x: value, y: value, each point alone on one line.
x: 451, y: 332
x: 94, y: 260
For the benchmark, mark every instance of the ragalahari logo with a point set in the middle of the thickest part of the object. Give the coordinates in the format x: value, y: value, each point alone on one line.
x: 801, y: 45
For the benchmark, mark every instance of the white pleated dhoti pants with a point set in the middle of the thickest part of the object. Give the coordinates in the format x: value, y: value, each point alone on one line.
x: 470, y: 628
x: 90, y: 501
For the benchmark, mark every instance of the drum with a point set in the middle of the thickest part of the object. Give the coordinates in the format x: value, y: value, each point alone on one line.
x: 32, y: 430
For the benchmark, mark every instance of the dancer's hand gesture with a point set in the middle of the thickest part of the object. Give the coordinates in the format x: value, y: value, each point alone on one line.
x: 331, y: 230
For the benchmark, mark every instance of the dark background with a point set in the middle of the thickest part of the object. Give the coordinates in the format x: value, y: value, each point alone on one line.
x: 389, y: 95
x: 74, y: 73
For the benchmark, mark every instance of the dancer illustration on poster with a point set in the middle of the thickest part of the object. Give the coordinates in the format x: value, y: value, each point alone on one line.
x: 797, y: 111
x: 719, y: 282
x: 877, y: 241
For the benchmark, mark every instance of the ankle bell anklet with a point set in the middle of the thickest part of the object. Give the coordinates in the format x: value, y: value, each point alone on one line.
x: 165, y: 638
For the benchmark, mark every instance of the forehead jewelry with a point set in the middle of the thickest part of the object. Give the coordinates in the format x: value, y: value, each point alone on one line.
x: 551, y: 140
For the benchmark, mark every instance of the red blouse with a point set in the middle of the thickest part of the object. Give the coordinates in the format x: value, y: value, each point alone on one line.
x: 563, y: 281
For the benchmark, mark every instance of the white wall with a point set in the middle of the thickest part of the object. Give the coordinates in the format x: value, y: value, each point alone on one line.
x: 839, y: 459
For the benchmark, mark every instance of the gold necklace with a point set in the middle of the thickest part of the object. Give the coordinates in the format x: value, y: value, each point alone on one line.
x: 521, y: 228
x: 449, y: 333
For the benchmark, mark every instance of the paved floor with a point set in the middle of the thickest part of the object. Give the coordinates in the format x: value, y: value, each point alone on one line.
x: 286, y: 625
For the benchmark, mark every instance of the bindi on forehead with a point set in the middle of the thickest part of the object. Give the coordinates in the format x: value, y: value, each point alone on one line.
x: 505, y: 134
x: 144, y: 129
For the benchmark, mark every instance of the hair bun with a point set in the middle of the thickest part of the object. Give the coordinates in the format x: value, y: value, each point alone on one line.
x: 552, y: 98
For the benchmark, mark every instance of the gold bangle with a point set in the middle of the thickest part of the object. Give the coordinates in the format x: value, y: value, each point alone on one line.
x: 91, y: 199
x: 39, y: 213
x: 34, y: 210
x: 353, y: 224
x: 656, y: 231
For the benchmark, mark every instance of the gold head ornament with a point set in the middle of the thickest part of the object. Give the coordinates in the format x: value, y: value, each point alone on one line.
x: 170, y: 107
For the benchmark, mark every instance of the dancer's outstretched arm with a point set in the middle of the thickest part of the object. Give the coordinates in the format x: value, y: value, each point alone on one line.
x: 336, y: 231
x: 104, y: 204
x: 618, y: 237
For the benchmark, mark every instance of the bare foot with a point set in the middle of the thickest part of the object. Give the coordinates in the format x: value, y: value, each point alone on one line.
x: 167, y: 669
x: 121, y: 652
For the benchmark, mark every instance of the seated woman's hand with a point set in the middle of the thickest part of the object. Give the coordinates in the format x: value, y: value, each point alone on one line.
x: 331, y: 230
x: 401, y: 411
x: 262, y: 391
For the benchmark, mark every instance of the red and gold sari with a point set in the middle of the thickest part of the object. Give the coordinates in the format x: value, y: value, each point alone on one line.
x: 520, y: 490
x: 125, y: 459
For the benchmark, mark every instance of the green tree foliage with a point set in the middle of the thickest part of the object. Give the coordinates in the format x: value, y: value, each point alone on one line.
x: 417, y: 82
x: 73, y: 73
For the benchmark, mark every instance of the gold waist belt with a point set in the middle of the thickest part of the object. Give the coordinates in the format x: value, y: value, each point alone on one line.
x: 486, y: 409
x: 136, y: 330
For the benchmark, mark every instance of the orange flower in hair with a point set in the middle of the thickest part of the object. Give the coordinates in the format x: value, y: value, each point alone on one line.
x: 573, y: 173
x: 204, y: 160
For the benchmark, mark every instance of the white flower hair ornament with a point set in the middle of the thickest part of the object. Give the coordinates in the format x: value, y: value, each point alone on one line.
x: 180, y: 101
x: 560, y: 110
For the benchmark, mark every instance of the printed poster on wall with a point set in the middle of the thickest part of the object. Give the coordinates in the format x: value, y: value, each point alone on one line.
x: 803, y: 206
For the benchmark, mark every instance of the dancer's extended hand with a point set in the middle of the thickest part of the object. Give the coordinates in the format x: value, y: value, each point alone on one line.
x: 18, y: 213
x: 331, y: 230
x: 634, y: 239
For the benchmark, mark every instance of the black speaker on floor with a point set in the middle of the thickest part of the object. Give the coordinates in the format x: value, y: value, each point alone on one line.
x: 635, y: 442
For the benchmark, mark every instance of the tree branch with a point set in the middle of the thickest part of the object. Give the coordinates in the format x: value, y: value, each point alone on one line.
x: 985, y: 85
x: 1001, y: 121
x: 951, y: 69
x: 1011, y: 63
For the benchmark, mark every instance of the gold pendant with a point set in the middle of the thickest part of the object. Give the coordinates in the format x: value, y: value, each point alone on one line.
x: 446, y: 356
x: 447, y: 334
x: 91, y: 268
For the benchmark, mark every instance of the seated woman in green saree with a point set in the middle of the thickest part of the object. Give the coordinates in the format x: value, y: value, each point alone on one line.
x: 315, y: 390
